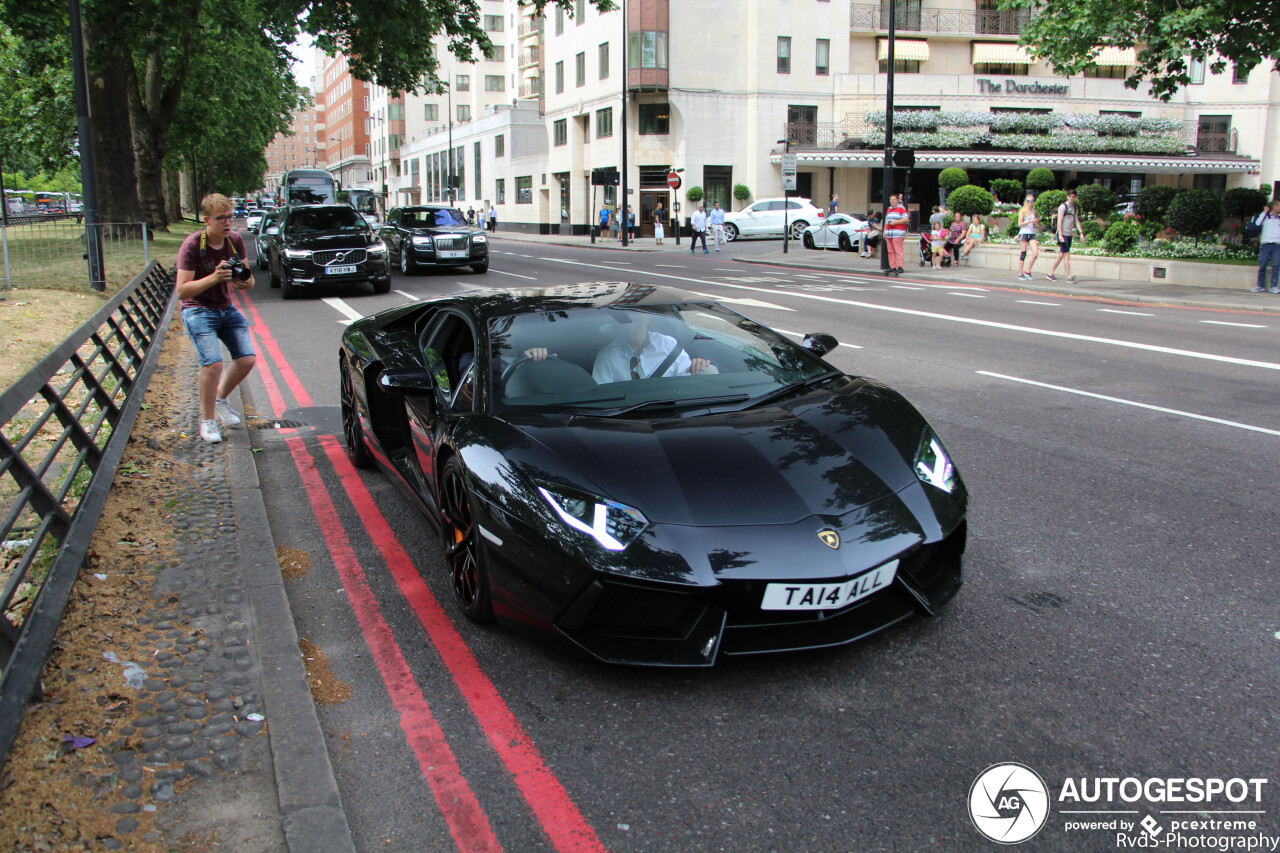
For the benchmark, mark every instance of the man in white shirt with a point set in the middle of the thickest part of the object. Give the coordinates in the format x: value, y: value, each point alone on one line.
x: 717, y: 225
x: 640, y: 352
x: 1269, y: 247
x: 699, y: 224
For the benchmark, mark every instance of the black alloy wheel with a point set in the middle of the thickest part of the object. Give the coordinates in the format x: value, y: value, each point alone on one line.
x: 353, y: 435
x: 846, y: 245
x: 407, y: 266
x: 460, y: 537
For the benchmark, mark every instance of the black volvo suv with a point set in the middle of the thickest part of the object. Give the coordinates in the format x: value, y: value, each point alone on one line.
x: 325, y: 244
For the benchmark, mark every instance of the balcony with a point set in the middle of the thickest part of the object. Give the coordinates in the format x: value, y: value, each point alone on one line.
x: 529, y: 57
x: 531, y: 88
x: 1212, y: 142
x: 531, y: 27
x: 911, y: 18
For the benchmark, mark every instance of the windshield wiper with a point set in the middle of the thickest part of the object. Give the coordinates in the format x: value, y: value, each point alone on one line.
x: 673, y: 403
x: 782, y: 392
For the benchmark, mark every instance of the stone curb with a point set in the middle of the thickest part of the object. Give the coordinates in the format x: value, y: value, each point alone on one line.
x: 313, y: 817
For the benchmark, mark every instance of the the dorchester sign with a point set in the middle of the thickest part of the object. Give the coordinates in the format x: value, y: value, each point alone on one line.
x: 1013, y: 87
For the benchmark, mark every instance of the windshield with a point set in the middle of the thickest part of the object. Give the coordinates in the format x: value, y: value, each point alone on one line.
x: 433, y: 217
x: 325, y: 219
x: 606, y: 360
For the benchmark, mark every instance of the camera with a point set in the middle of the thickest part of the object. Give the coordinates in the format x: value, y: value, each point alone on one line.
x: 238, y: 269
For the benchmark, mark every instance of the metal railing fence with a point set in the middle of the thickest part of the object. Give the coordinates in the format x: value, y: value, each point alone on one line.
x: 54, y: 254
x: 63, y: 430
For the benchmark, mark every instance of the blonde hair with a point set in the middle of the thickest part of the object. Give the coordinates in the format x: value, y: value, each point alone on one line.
x: 215, y: 203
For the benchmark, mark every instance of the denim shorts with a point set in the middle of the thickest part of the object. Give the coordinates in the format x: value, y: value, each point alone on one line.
x: 207, y: 326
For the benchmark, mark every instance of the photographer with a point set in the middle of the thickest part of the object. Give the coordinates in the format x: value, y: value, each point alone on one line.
x: 210, y: 264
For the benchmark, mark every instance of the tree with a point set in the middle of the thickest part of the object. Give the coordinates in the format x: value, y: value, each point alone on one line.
x: 1153, y: 201
x: 1095, y: 200
x: 1167, y: 34
x: 1007, y: 189
x: 1041, y: 179
x: 1120, y: 237
x: 741, y: 192
x: 37, y: 131
x: 694, y: 194
x: 1195, y: 212
x: 970, y: 200
x: 1243, y: 202
x: 952, y: 178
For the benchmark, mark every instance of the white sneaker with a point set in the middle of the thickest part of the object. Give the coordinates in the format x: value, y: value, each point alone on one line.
x: 209, y: 431
x: 225, y: 413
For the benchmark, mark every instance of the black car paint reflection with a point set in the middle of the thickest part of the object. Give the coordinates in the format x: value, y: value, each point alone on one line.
x: 774, y: 468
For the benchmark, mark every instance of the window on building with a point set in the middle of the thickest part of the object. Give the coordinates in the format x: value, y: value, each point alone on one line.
x: 559, y: 21
x: 524, y: 190
x: 802, y: 124
x: 464, y: 112
x: 655, y: 119
x: 822, y: 53
x: 476, y: 170
x: 463, y: 82
x: 604, y: 122
x: 580, y: 12
x: 560, y: 78
x: 493, y: 23
x: 906, y: 14
x: 904, y: 66
x: 1007, y: 69
x: 1213, y: 183
x: 1214, y: 134
x: 604, y: 61
x: 560, y: 130
x: 494, y: 83
x: 431, y: 112
x: 395, y: 112
x: 494, y: 53
x: 1195, y: 68
x: 499, y: 145
x: 1239, y: 75
x: 500, y: 190
x: 1107, y: 72
x: 648, y: 50
x: 784, y: 54
x: 581, y: 63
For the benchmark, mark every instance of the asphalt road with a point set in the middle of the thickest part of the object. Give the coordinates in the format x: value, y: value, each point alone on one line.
x: 1118, y: 617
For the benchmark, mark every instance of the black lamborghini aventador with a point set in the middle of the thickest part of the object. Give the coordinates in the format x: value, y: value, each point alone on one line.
x: 651, y: 475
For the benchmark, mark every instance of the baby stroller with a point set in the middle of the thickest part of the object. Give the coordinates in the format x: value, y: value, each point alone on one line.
x: 926, y: 251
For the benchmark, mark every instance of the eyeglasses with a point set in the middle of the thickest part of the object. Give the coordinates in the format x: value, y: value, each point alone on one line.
x: 224, y: 218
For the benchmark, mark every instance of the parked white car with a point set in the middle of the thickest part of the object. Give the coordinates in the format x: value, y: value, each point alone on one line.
x: 766, y: 218
x: 841, y: 231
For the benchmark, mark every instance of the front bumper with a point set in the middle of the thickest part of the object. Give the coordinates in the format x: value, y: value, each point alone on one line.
x: 478, y: 253
x: 308, y: 274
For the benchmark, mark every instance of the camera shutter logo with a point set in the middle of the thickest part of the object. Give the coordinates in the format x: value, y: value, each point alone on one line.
x: 1008, y: 803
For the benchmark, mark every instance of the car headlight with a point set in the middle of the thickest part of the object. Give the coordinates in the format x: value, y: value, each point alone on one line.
x: 377, y: 249
x: 422, y: 240
x: 933, y: 465
x: 479, y: 238
x: 612, y: 524
x: 298, y: 254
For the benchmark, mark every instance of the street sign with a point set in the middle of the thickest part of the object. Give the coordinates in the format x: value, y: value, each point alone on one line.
x: 788, y: 172
x: 673, y: 180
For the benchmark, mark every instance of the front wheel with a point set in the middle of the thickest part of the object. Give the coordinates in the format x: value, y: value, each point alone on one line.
x: 480, y: 267
x: 352, y: 432
x: 460, y: 536
x: 730, y: 233
x: 381, y: 287
x: 797, y: 229
x: 287, y: 289
x: 407, y: 266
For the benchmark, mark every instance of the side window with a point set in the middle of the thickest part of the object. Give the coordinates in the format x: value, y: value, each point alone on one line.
x: 774, y: 205
x: 450, y: 355
x: 760, y: 207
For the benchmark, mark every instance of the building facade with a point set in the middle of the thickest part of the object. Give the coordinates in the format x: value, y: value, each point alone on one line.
x: 719, y: 96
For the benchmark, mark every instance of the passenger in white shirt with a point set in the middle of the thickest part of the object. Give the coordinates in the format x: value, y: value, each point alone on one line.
x: 640, y: 352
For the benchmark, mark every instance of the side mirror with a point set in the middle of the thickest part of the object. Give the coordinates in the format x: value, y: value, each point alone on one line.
x: 406, y: 380
x: 819, y: 343
x: 273, y: 230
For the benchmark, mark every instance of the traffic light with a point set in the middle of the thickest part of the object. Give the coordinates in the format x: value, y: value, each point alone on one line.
x: 904, y: 158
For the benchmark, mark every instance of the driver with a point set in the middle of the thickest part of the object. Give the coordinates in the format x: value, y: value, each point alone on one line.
x: 638, y: 354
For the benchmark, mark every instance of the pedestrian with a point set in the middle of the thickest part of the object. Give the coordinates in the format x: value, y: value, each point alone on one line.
x: 895, y: 231
x: 872, y: 236
x: 1028, y: 226
x: 471, y: 216
x: 631, y: 223
x: 938, y: 244
x: 716, y: 219
x: 955, y: 237
x: 1068, y: 226
x: 204, y: 285
x: 659, y: 229
x: 1269, y: 247
x: 615, y: 220
x: 938, y: 218
x: 834, y: 207
x: 699, y: 225
x: 493, y: 219
x: 604, y: 221
x: 977, y: 236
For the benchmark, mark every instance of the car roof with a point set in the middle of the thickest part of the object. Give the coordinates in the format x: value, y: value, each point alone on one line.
x: 490, y: 303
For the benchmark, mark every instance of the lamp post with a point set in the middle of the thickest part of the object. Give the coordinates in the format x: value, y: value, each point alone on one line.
x: 624, y: 226
x: 887, y: 189
x: 786, y: 191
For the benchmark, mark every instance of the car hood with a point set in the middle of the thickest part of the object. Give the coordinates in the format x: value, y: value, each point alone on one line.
x: 322, y: 241
x: 828, y: 454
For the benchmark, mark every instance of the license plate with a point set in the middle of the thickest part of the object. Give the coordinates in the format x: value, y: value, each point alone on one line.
x: 347, y: 270
x: 828, y: 596
x: 451, y: 254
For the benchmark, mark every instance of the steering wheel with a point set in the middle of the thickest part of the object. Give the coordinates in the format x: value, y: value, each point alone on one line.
x: 521, y: 361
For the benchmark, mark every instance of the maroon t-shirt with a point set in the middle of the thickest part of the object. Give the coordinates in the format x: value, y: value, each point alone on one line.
x: 219, y: 296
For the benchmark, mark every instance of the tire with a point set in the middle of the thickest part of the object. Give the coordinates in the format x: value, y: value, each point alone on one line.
x: 730, y: 233
x: 460, y: 538
x: 275, y: 280
x: 381, y: 287
x: 407, y: 266
x: 352, y: 433
x: 846, y: 245
x: 262, y: 261
x: 808, y: 240
x: 288, y: 290
x: 797, y: 228
x: 480, y: 268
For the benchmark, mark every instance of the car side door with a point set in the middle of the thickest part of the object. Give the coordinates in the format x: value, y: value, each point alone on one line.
x: 450, y: 356
x: 387, y: 232
x: 752, y: 221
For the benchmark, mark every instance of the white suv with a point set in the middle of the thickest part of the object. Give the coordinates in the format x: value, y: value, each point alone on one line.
x: 765, y: 218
